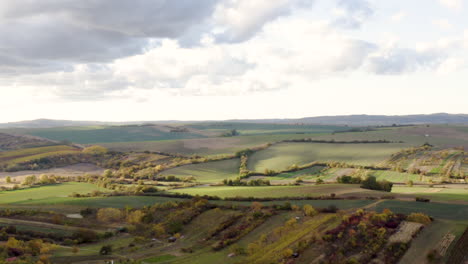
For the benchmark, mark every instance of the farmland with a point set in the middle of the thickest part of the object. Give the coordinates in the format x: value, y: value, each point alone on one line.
x: 46, y: 192
x: 281, y: 156
x: 280, y: 191
x: 195, y: 196
x: 18, y: 156
x: 211, y: 172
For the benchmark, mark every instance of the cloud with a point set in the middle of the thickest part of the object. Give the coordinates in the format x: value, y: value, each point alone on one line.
x: 239, y: 20
x: 392, y: 59
x: 443, y: 24
x: 42, y: 35
x: 452, y: 4
x: 398, y: 17
x: 352, y: 13
x: 285, y: 53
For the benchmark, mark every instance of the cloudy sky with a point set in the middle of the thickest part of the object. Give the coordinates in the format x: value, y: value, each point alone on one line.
x: 121, y: 60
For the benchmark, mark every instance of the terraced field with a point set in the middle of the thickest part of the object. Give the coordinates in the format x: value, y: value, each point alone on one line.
x: 23, y: 155
x: 210, y: 172
x: 281, y: 156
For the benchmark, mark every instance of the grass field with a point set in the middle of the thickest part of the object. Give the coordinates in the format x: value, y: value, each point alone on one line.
x: 204, y: 146
x: 258, y: 128
x: 435, y: 193
x: 23, y: 155
x: 95, y: 134
x: 438, y: 135
x: 283, y: 155
x: 397, y: 177
x: 211, y: 172
x: 280, y: 191
x: 437, y: 210
x: 429, y: 239
x: 60, y: 191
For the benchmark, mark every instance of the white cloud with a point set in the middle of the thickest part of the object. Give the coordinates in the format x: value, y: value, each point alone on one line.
x: 443, y: 24
x: 452, y: 4
x: 398, y: 17
x: 450, y: 65
x: 239, y: 20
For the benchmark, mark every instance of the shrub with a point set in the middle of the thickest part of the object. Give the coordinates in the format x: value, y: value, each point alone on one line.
x: 106, y: 250
x: 109, y: 215
x: 419, y: 218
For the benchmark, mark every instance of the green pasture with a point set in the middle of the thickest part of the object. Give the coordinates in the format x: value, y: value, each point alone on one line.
x: 280, y: 191
x: 435, y: 193
x: 23, y: 155
x: 210, y: 172
x: 57, y: 191
x: 95, y: 134
x: 398, y: 177
x: 283, y: 155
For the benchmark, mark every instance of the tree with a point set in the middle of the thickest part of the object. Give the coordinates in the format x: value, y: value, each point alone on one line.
x: 29, y: 180
x: 159, y: 230
x: 8, y: 179
x: 135, y: 217
x: 410, y: 183
x: 109, y: 215
x: 309, y: 210
x: 106, y: 250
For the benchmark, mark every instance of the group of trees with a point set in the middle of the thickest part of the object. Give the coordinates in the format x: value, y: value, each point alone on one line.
x: 372, y: 184
x: 239, y: 182
x: 32, y: 251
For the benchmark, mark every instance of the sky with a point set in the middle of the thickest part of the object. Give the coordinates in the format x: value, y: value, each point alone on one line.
x: 129, y: 60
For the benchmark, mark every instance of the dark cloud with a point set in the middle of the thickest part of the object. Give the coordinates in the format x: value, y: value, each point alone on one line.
x: 36, y: 34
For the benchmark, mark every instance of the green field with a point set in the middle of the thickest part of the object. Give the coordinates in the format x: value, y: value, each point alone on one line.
x: 397, y: 177
x: 210, y: 172
x: 23, y: 155
x: 267, y: 128
x: 437, y: 210
x: 59, y: 191
x: 280, y: 191
x: 435, y: 193
x: 95, y: 134
x: 205, y: 146
x: 429, y: 238
x: 283, y: 155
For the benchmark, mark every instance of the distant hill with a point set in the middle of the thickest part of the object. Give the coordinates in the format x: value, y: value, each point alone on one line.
x: 43, y: 123
x: 351, y: 120
x: 374, y: 120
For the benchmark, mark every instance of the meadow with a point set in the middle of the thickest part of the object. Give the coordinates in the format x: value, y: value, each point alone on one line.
x: 283, y: 155
x: 280, y: 191
x: 23, y: 155
x: 210, y: 172
x: 62, y: 190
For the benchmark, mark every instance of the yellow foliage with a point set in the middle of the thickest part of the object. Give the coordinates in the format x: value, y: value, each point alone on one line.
x: 419, y: 218
x: 109, y: 215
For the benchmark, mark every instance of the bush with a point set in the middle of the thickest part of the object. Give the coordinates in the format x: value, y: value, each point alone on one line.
x: 106, y: 250
x: 419, y: 218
